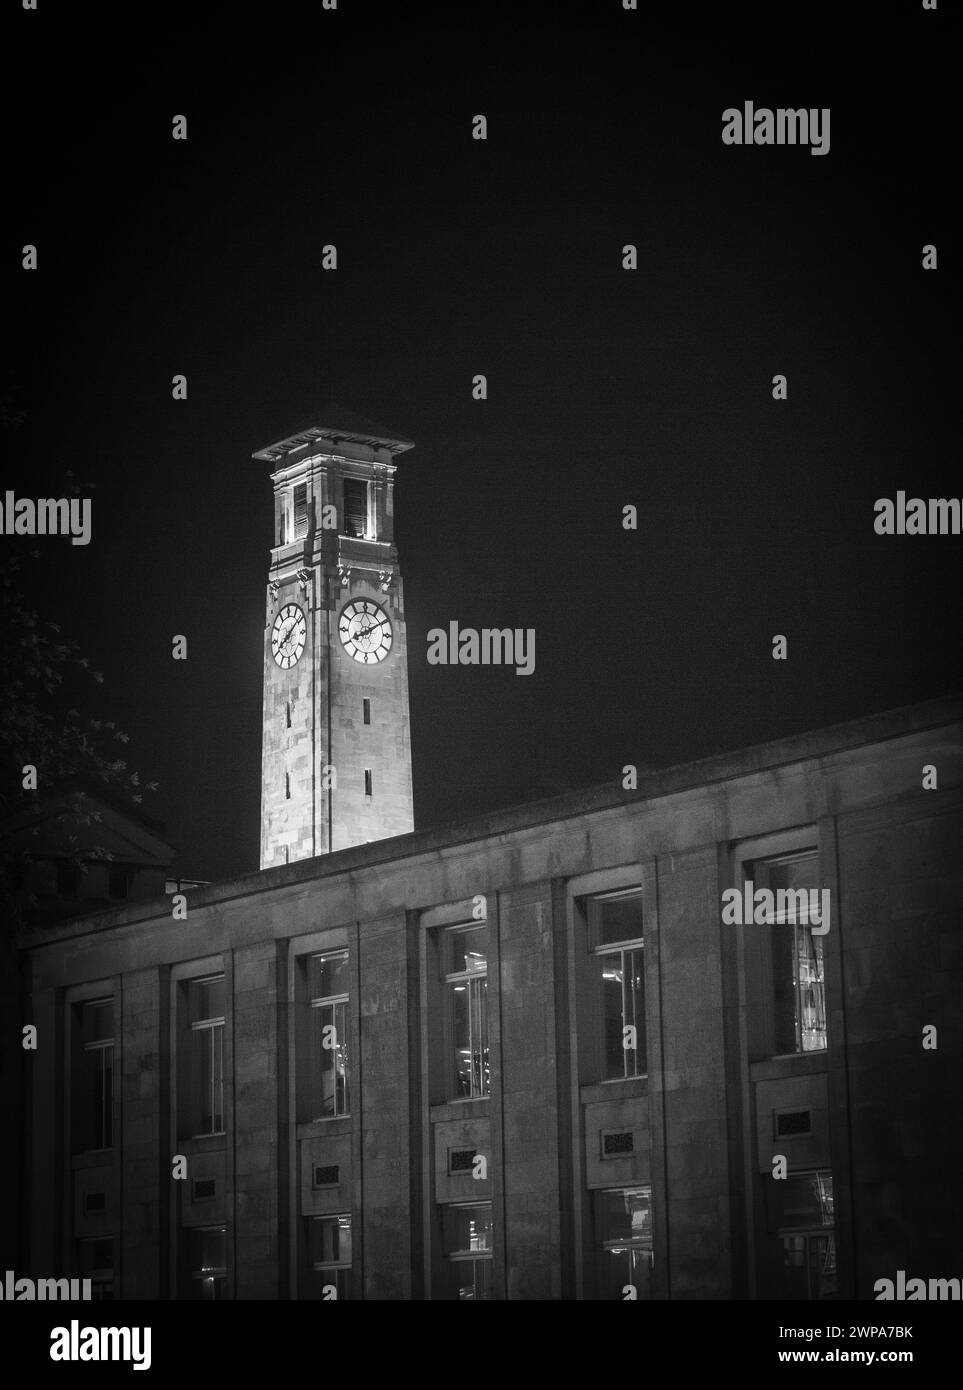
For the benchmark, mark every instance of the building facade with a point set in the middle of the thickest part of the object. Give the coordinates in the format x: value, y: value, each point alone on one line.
x: 528, y: 1056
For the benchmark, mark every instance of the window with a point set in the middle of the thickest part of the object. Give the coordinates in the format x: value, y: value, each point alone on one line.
x: 203, y: 1077
x: 615, y: 939
x: 467, y: 1244
x: 366, y: 711
x: 368, y: 788
x: 329, y: 1256
x: 207, y: 1263
x: 300, y: 509
x: 96, y: 1261
x: 802, y: 1213
x: 355, y: 507
x: 623, y: 1225
x: 93, y: 1077
x: 328, y: 1001
x: 465, y: 951
x: 798, y: 968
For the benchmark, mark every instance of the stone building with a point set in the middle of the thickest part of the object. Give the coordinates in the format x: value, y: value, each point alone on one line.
x: 530, y: 1056
x: 401, y: 1071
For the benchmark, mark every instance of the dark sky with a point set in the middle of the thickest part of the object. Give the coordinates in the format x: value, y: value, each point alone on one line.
x: 459, y: 257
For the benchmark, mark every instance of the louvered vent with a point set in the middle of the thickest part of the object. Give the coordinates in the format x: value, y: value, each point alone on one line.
x: 791, y: 1122
x: 461, y: 1160
x: 617, y: 1142
x: 327, y: 1175
x: 355, y: 507
x: 94, y: 1201
x: 300, y: 510
x: 204, y: 1189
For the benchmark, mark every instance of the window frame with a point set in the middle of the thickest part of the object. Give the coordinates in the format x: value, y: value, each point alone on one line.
x: 219, y: 1276
x: 808, y: 1232
x: 335, y: 1002
x: 99, y: 1279
x: 623, y: 949
x: 84, y: 1090
x: 215, y: 1025
x: 474, y: 1258
x: 632, y: 1246
x: 471, y: 981
x: 337, y: 1267
x: 752, y: 868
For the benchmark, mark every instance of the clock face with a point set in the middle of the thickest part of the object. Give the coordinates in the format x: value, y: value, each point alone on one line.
x: 289, y: 635
x: 365, y: 631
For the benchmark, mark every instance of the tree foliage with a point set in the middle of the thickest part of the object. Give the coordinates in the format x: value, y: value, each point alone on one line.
x: 46, y: 684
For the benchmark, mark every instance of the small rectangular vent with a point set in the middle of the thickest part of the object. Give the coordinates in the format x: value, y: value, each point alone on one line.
x: 204, y: 1189
x: 94, y: 1201
x: 790, y: 1122
x: 617, y: 1142
x: 327, y: 1175
x: 461, y: 1160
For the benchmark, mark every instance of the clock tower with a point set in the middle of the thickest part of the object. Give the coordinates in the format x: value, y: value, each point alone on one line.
x: 336, y: 759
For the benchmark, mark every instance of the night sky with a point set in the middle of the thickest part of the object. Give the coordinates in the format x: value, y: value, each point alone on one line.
x: 459, y: 257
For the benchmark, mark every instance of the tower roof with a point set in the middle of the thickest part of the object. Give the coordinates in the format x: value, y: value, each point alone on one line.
x: 338, y: 425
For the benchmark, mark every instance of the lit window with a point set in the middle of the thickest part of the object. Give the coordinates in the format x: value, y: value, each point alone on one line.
x: 798, y: 967
x: 623, y: 1223
x: 207, y: 1263
x: 615, y: 938
x: 96, y: 1260
x: 802, y: 1213
x: 329, y: 1257
x: 93, y: 1077
x: 466, y: 982
x: 467, y: 1243
x: 328, y: 1001
x: 203, y: 1081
